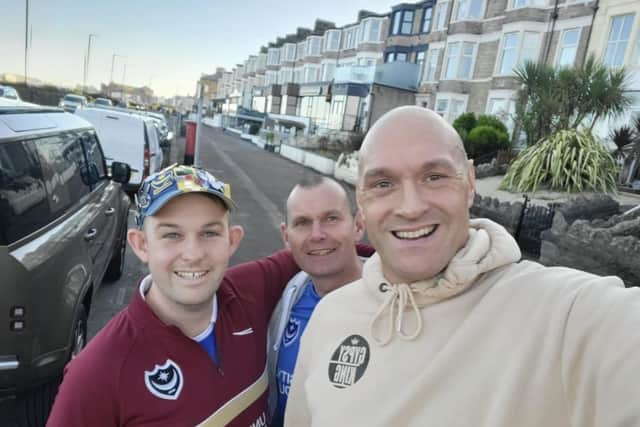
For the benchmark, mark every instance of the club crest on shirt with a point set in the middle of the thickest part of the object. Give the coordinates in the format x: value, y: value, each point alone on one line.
x: 165, y: 381
x: 349, y: 362
x: 291, y: 332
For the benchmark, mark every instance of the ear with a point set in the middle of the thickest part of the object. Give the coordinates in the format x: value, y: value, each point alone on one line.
x: 138, y: 242
x: 236, y: 233
x: 471, y: 178
x: 285, y: 235
x: 358, y: 222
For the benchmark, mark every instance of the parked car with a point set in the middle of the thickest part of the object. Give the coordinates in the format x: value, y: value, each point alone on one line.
x: 127, y: 137
x: 9, y: 93
x: 72, y: 102
x: 63, y: 223
x: 103, y: 102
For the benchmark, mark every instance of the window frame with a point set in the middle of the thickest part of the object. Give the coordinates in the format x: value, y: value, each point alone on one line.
x: 397, y: 27
x: 460, y: 44
x: 561, y: 46
x: 456, y: 13
x: 518, y: 50
x: 428, y: 21
x: 618, y: 41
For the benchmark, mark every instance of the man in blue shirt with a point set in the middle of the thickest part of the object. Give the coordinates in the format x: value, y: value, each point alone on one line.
x: 321, y: 231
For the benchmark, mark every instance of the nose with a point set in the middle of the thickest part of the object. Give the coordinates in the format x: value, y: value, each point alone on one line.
x: 317, y: 232
x: 413, y: 202
x: 192, y: 249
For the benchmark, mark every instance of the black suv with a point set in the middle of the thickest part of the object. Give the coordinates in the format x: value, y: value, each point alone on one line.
x: 63, y: 222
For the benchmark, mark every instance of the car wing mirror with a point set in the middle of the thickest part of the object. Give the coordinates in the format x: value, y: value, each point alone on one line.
x: 120, y: 172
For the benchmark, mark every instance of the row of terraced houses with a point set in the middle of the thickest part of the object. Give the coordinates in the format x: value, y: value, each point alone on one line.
x: 452, y: 56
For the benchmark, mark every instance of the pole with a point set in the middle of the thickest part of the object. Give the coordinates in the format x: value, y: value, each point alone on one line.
x: 196, y: 155
x: 86, y: 71
x: 26, y: 41
x: 113, y: 61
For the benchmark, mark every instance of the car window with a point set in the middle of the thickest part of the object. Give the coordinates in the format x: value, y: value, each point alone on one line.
x: 94, y: 154
x: 64, y: 171
x: 23, y: 199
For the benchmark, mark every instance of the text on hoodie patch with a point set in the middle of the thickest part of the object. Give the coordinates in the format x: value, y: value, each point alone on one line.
x: 349, y: 361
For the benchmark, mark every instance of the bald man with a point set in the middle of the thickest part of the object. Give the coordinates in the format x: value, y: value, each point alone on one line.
x: 446, y: 326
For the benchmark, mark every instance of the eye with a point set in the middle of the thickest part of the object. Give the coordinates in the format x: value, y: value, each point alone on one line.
x: 211, y: 233
x: 434, y: 177
x: 171, y: 236
x: 382, y: 184
x: 333, y: 218
x: 301, y: 222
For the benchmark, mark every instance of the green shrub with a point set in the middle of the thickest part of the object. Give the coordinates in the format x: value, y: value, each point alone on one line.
x: 492, y: 121
x: 486, y: 140
x: 464, y: 123
x: 254, y: 128
x: 568, y: 160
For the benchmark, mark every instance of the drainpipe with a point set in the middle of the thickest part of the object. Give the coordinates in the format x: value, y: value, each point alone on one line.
x: 554, y: 18
x: 595, y: 7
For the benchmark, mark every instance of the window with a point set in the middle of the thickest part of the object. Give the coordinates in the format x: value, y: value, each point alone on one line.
x: 300, y: 50
x: 420, y: 58
x: 450, y: 108
x: 441, y: 15
x: 502, y: 107
x: 459, y: 60
x: 370, y: 30
x: 618, y: 40
x: 23, y: 199
x: 273, y: 56
x: 568, y: 47
x: 469, y: 9
x: 432, y: 63
x: 313, y: 46
x: 396, y: 57
x: 332, y: 40
x: 94, y: 154
x: 517, y: 48
x: 527, y: 3
x: 350, y: 38
x: 289, y: 52
x: 427, y: 14
x: 64, y: 168
x: 402, y: 22
x: 328, y: 70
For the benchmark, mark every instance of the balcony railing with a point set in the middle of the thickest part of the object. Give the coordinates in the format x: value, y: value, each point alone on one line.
x: 404, y: 75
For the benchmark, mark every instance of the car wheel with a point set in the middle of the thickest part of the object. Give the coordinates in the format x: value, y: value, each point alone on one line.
x: 116, y: 265
x: 34, y: 407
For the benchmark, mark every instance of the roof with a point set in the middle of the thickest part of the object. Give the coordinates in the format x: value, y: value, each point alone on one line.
x: 33, y: 120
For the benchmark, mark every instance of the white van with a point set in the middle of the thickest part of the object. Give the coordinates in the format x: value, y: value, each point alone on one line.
x: 127, y: 138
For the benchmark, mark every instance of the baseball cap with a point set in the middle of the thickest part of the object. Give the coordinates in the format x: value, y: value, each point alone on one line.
x: 159, y: 188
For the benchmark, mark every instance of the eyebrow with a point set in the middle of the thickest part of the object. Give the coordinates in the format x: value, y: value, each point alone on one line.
x: 176, y: 226
x: 429, y: 164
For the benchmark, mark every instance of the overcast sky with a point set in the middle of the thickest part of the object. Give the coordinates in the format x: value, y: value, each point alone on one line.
x: 165, y: 44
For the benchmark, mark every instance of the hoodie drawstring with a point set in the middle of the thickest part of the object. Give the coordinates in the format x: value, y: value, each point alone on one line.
x: 396, y: 302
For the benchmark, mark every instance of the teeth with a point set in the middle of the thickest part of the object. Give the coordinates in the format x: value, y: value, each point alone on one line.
x: 190, y: 275
x: 415, y: 234
x: 321, y: 252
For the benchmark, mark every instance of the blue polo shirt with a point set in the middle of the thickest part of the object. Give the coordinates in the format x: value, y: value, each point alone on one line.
x: 289, y: 346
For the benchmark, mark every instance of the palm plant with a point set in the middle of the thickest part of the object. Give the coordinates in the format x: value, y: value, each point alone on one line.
x: 553, y: 99
x: 569, y: 160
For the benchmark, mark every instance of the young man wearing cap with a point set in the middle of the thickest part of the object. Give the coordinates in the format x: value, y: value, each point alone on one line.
x: 147, y: 365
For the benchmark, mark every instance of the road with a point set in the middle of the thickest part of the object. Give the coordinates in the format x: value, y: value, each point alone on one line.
x: 260, y: 182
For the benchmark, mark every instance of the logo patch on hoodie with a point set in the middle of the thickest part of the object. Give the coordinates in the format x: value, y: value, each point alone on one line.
x: 349, y: 361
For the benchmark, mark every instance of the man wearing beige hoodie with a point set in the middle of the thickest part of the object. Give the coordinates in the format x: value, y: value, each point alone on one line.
x: 447, y: 327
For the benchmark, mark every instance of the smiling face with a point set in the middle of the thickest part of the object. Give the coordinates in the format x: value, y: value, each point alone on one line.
x: 187, y: 245
x: 414, y: 189
x: 321, y: 233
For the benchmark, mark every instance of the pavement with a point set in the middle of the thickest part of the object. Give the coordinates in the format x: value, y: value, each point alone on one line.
x: 489, y: 187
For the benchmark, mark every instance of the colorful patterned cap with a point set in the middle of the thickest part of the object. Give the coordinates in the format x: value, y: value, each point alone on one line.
x: 173, y: 181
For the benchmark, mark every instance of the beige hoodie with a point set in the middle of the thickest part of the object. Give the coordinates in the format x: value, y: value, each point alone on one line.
x: 489, y: 342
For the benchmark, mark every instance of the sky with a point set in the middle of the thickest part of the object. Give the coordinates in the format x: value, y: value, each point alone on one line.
x: 165, y: 44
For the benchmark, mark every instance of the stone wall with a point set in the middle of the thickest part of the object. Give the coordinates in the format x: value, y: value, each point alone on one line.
x: 607, y: 245
x: 504, y: 213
